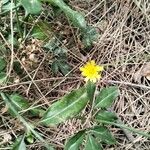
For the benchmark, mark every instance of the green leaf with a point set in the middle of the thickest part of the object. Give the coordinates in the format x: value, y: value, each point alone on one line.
x: 91, y: 143
x: 89, y: 36
x: 4, y: 1
x: 104, y: 134
x: 12, y: 40
x: 2, y: 64
x: 28, y: 125
x: 90, y: 89
x: 106, y: 115
x: 60, y: 52
x: 18, y: 68
x: 37, y: 112
x: 55, y: 67
x: 3, y: 77
x: 19, y: 144
x: 69, y: 106
x: 37, y: 33
x: 57, y: 11
x: 106, y: 97
x: 60, y: 65
x: 75, y: 17
x: 33, y: 7
x: 52, y: 44
x: 121, y: 125
x: 74, y: 142
x: 3, y: 49
x: 7, y: 6
x: 19, y: 102
x: 63, y: 67
x: 29, y: 137
x: 41, y: 30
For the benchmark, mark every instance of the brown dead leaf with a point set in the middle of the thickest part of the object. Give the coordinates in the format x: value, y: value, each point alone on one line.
x: 137, y: 76
x: 148, y: 77
x: 4, y: 110
x: 6, y: 138
x: 144, y: 71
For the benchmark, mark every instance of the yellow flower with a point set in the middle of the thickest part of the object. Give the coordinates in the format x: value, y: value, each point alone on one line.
x: 91, y: 71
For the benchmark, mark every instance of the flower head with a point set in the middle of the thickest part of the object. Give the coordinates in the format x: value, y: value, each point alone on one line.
x: 91, y: 71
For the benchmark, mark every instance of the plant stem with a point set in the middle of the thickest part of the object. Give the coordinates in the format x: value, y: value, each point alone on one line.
x: 18, y: 23
x: 126, y: 127
x: 26, y: 124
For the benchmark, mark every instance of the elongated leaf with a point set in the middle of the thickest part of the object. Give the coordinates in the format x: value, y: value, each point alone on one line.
x: 121, y: 125
x: 3, y: 77
x: 28, y: 125
x: 17, y: 68
x: 75, y: 17
x: 12, y: 40
x: 29, y: 137
x: 19, y: 144
x: 37, y: 33
x: 90, y: 35
x: 106, y: 97
x: 74, y: 142
x: 19, y: 102
x: 51, y: 45
x: 104, y: 134
x: 69, y: 106
x: 4, y: 1
x: 55, y: 67
x: 90, y: 89
x: 91, y: 143
x: 106, y: 115
x: 63, y: 67
x: 41, y: 30
x: 7, y: 6
x: 2, y: 64
x: 37, y: 112
x: 31, y: 6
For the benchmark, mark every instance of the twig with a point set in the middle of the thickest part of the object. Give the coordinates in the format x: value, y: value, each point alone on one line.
x: 12, y: 40
x: 28, y: 125
x: 39, y: 80
x: 129, y: 84
x: 126, y: 127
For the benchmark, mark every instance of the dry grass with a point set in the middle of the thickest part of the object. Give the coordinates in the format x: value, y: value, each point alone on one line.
x: 123, y: 47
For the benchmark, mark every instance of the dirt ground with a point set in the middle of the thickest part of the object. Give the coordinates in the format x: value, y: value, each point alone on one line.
x: 123, y: 48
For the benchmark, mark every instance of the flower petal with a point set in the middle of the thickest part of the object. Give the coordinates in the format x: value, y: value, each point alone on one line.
x: 83, y: 74
x: 91, y: 71
x: 86, y: 79
x: 92, y: 62
x: 81, y: 68
x: 99, y: 68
